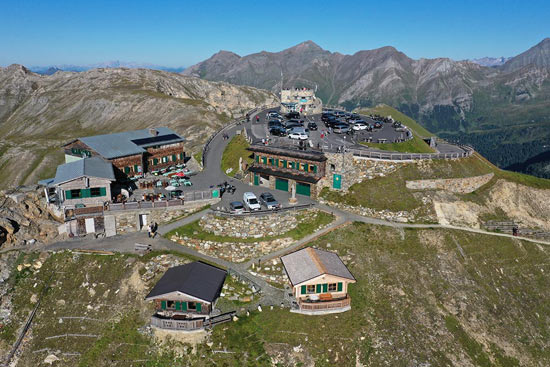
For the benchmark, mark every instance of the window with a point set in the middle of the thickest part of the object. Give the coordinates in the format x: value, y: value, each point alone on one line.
x: 332, y: 167
x: 95, y: 191
x: 170, y: 304
x: 310, y: 289
x: 182, y: 156
x: 126, y: 170
x: 191, y: 305
x: 332, y: 287
x: 174, y: 158
x: 76, y: 194
x: 155, y: 161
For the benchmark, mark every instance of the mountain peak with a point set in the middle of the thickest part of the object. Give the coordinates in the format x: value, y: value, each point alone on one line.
x: 537, y: 56
x: 306, y: 45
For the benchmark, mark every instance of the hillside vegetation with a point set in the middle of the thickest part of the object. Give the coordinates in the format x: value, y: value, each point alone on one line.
x: 432, y: 297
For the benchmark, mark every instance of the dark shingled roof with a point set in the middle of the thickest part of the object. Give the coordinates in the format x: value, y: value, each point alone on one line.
x: 303, y: 177
x: 294, y: 153
x: 310, y: 262
x: 196, y: 279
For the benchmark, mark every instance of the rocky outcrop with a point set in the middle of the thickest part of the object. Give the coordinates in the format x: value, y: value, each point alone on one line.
x: 26, y: 220
x: 456, y: 185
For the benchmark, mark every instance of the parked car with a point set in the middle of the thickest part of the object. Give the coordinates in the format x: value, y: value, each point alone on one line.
x: 298, y: 135
x: 353, y: 116
x: 355, y: 120
x: 293, y: 115
x: 274, y: 123
x: 326, y: 116
x: 377, y: 124
x: 269, y: 201
x: 331, y: 122
x: 251, y: 201
x: 272, y: 114
x: 341, y: 128
x: 312, y: 126
x: 278, y: 131
x: 360, y: 126
x: 291, y: 125
x: 236, y: 207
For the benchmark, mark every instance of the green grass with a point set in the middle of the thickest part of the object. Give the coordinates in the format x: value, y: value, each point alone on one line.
x: 415, y: 145
x: 390, y: 192
x: 385, y: 110
x: 233, y: 151
x: 198, y: 157
x: 390, y: 327
x: 304, y: 228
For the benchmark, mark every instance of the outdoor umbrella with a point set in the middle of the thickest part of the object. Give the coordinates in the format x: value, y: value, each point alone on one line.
x: 170, y: 188
x: 180, y: 174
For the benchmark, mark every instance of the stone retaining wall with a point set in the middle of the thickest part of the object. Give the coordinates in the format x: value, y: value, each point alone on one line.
x: 456, y: 185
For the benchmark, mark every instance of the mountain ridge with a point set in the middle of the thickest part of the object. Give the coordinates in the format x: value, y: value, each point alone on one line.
x: 458, y: 100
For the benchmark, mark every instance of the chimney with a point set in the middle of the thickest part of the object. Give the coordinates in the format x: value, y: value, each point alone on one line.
x: 153, y: 131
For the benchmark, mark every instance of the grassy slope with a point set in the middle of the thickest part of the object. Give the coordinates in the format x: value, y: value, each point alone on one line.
x: 390, y: 192
x: 417, y: 299
x: 233, y: 151
x: 385, y: 110
x: 194, y: 230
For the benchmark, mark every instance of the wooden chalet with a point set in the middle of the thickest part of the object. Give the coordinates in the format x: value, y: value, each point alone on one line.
x: 132, y: 153
x: 185, y: 296
x: 319, y: 281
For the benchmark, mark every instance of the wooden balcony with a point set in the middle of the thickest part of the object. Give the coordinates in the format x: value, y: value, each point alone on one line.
x: 320, y: 305
x: 177, y: 324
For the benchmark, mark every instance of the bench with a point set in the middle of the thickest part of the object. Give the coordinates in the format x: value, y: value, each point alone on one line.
x: 143, y: 248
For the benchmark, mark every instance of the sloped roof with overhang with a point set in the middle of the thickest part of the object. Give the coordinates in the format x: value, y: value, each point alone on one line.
x: 195, y: 279
x: 86, y: 167
x: 130, y: 142
x: 288, y: 152
x: 310, y: 262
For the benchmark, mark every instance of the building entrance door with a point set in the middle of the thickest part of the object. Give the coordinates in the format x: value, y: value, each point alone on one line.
x: 281, y: 184
x: 336, y: 181
x: 303, y: 189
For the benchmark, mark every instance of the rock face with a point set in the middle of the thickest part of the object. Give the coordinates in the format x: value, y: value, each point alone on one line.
x: 26, y: 220
x: 39, y: 113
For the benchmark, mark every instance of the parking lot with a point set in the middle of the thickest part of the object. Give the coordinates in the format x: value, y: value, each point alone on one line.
x: 324, y: 138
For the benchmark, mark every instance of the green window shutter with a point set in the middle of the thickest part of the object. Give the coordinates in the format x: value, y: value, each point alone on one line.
x: 184, y: 304
x: 181, y: 156
x: 306, y: 167
x: 303, y: 290
x: 68, y: 194
x: 126, y: 170
x: 257, y: 159
x: 174, y: 158
x: 318, y: 290
x: 291, y: 164
x: 136, y: 168
x: 155, y: 161
x: 85, y: 193
x: 102, y: 191
x: 340, y: 287
x: 264, y: 160
x: 163, y: 305
x: 178, y: 306
x: 277, y: 162
x: 325, y: 287
x: 284, y: 163
x: 199, y: 307
x: 315, y: 169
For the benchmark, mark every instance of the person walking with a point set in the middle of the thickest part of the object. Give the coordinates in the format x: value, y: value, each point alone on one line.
x: 149, y: 231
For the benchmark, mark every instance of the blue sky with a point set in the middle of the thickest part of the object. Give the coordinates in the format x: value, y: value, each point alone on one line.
x: 181, y: 33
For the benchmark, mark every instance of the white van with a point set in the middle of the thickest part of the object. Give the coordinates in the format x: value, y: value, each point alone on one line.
x: 251, y: 201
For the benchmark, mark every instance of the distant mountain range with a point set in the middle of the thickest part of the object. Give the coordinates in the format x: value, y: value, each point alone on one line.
x: 491, y: 61
x: 502, y: 109
x: 51, y: 69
